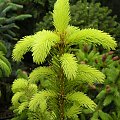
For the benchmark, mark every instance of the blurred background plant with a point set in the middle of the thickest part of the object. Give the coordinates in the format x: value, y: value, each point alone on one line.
x: 5, y: 71
x: 9, y: 32
x: 9, y: 14
x: 109, y: 96
x: 106, y: 95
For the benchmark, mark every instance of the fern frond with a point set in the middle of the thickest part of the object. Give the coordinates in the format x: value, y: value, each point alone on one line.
x: 39, y: 100
x: 81, y: 99
x: 61, y: 15
x: 19, y: 85
x: 22, y: 107
x: 88, y: 74
x: 69, y: 65
x: 4, y: 68
x: 93, y: 36
x: 23, y: 46
x: 39, y: 73
x: 43, y: 44
x: 16, y: 97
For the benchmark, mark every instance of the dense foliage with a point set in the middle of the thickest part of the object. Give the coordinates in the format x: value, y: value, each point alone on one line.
x: 107, y: 94
x: 87, y: 14
x: 52, y: 91
x: 51, y: 64
x: 9, y: 14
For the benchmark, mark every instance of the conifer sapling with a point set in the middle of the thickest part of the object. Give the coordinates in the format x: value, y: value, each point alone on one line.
x: 50, y: 92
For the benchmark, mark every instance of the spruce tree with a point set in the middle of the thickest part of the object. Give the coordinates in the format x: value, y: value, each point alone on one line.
x: 52, y: 92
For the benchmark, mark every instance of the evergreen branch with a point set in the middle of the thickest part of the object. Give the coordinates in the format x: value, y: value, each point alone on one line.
x: 32, y: 88
x: 93, y: 36
x: 9, y: 36
x: 23, y: 46
x: 22, y: 17
x: 23, y: 91
x: 72, y: 111
x: 39, y: 100
x: 61, y: 15
x: 22, y: 107
x: 88, y: 74
x: 8, y: 26
x: 69, y: 65
x: 73, y: 85
x: 15, y: 6
x: 10, y: 32
x: 40, y: 72
x: 42, y: 45
x: 16, y: 97
x: 3, y: 12
x: 19, y: 85
x: 70, y: 31
x: 53, y: 105
x: 5, y: 60
x: 81, y: 99
x: 10, y: 6
x: 6, y: 71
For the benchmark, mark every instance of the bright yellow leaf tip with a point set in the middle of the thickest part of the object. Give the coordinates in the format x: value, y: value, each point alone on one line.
x: 61, y: 15
x: 69, y: 65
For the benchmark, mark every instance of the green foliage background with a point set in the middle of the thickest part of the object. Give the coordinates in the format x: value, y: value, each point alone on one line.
x: 84, y: 14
